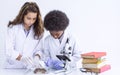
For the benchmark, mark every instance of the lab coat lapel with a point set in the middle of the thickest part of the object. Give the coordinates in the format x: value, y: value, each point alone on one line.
x: 19, y: 38
x: 65, y: 36
x: 29, y: 43
x: 22, y: 30
x: 56, y: 45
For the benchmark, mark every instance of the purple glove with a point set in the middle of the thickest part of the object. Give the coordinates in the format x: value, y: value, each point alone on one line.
x: 55, y: 64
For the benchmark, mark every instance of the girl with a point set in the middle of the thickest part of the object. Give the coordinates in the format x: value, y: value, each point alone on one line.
x: 23, y: 35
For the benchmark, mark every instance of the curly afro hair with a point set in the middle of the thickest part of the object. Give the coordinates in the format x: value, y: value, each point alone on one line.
x: 56, y: 21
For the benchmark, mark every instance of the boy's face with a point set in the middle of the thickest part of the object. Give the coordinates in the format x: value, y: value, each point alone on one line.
x: 56, y: 34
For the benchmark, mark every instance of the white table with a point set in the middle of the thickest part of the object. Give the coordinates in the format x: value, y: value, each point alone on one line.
x: 22, y: 72
x: 12, y: 71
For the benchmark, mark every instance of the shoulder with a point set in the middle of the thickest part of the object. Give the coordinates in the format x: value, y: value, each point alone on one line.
x: 69, y: 35
x: 47, y: 37
x: 15, y: 27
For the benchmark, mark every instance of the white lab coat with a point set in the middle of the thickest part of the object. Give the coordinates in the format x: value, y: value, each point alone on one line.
x: 53, y: 47
x: 18, y: 43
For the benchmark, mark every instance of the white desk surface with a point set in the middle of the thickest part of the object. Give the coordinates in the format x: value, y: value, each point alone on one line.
x: 22, y: 72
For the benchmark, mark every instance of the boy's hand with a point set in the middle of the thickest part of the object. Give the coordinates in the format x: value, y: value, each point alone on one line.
x: 55, y: 64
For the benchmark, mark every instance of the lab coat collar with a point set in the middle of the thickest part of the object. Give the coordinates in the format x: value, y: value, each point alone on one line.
x: 63, y: 41
x: 30, y: 31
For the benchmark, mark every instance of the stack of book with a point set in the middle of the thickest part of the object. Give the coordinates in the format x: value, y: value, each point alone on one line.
x: 95, y: 62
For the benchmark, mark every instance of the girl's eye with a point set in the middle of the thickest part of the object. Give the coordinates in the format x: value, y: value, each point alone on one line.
x: 28, y: 18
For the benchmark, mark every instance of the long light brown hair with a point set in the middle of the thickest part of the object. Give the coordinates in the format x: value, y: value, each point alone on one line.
x: 25, y: 9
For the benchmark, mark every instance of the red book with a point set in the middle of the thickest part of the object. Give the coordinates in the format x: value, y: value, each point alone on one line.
x: 104, y: 68
x: 99, y: 70
x: 93, y: 54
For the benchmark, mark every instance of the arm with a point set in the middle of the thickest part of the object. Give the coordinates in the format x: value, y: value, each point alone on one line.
x: 19, y: 57
x: 38, y: 51
x: 46, y: 48
x: 75, y: 51
x: 38, y: 54
x: 10, y: 44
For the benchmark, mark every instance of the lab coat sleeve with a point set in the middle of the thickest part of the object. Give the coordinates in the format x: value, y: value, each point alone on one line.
x: 42, y: 48
x: 47, y: 55
x: 46, y: 51
x: 76, y: 52
x: 39, y: 49
x: 10, y: 44
x: 43, y: 51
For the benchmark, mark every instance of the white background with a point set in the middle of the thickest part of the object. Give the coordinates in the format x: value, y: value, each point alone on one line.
x: 95, y: 24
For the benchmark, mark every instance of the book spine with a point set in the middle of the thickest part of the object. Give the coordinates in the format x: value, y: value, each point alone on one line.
x: 93, y: 55
x: 93, y: 60
x: 99, y: 70
x: 85, y: 56
x: 98, y: 65
x: 90, y: 60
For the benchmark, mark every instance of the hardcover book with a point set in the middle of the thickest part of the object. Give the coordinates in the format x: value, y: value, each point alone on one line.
x: 93, y: 55
x: 92, y: 60
x: 97, y: 65
x: 99, y: 70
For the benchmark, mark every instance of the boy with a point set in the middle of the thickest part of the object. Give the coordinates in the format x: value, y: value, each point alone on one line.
x: 59, y: 41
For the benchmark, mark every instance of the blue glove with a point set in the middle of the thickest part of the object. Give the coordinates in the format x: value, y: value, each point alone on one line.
x: 55, y: 64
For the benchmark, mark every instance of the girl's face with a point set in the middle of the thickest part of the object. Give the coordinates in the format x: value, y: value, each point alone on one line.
x: 56, y: 34
x: 30, y: 19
